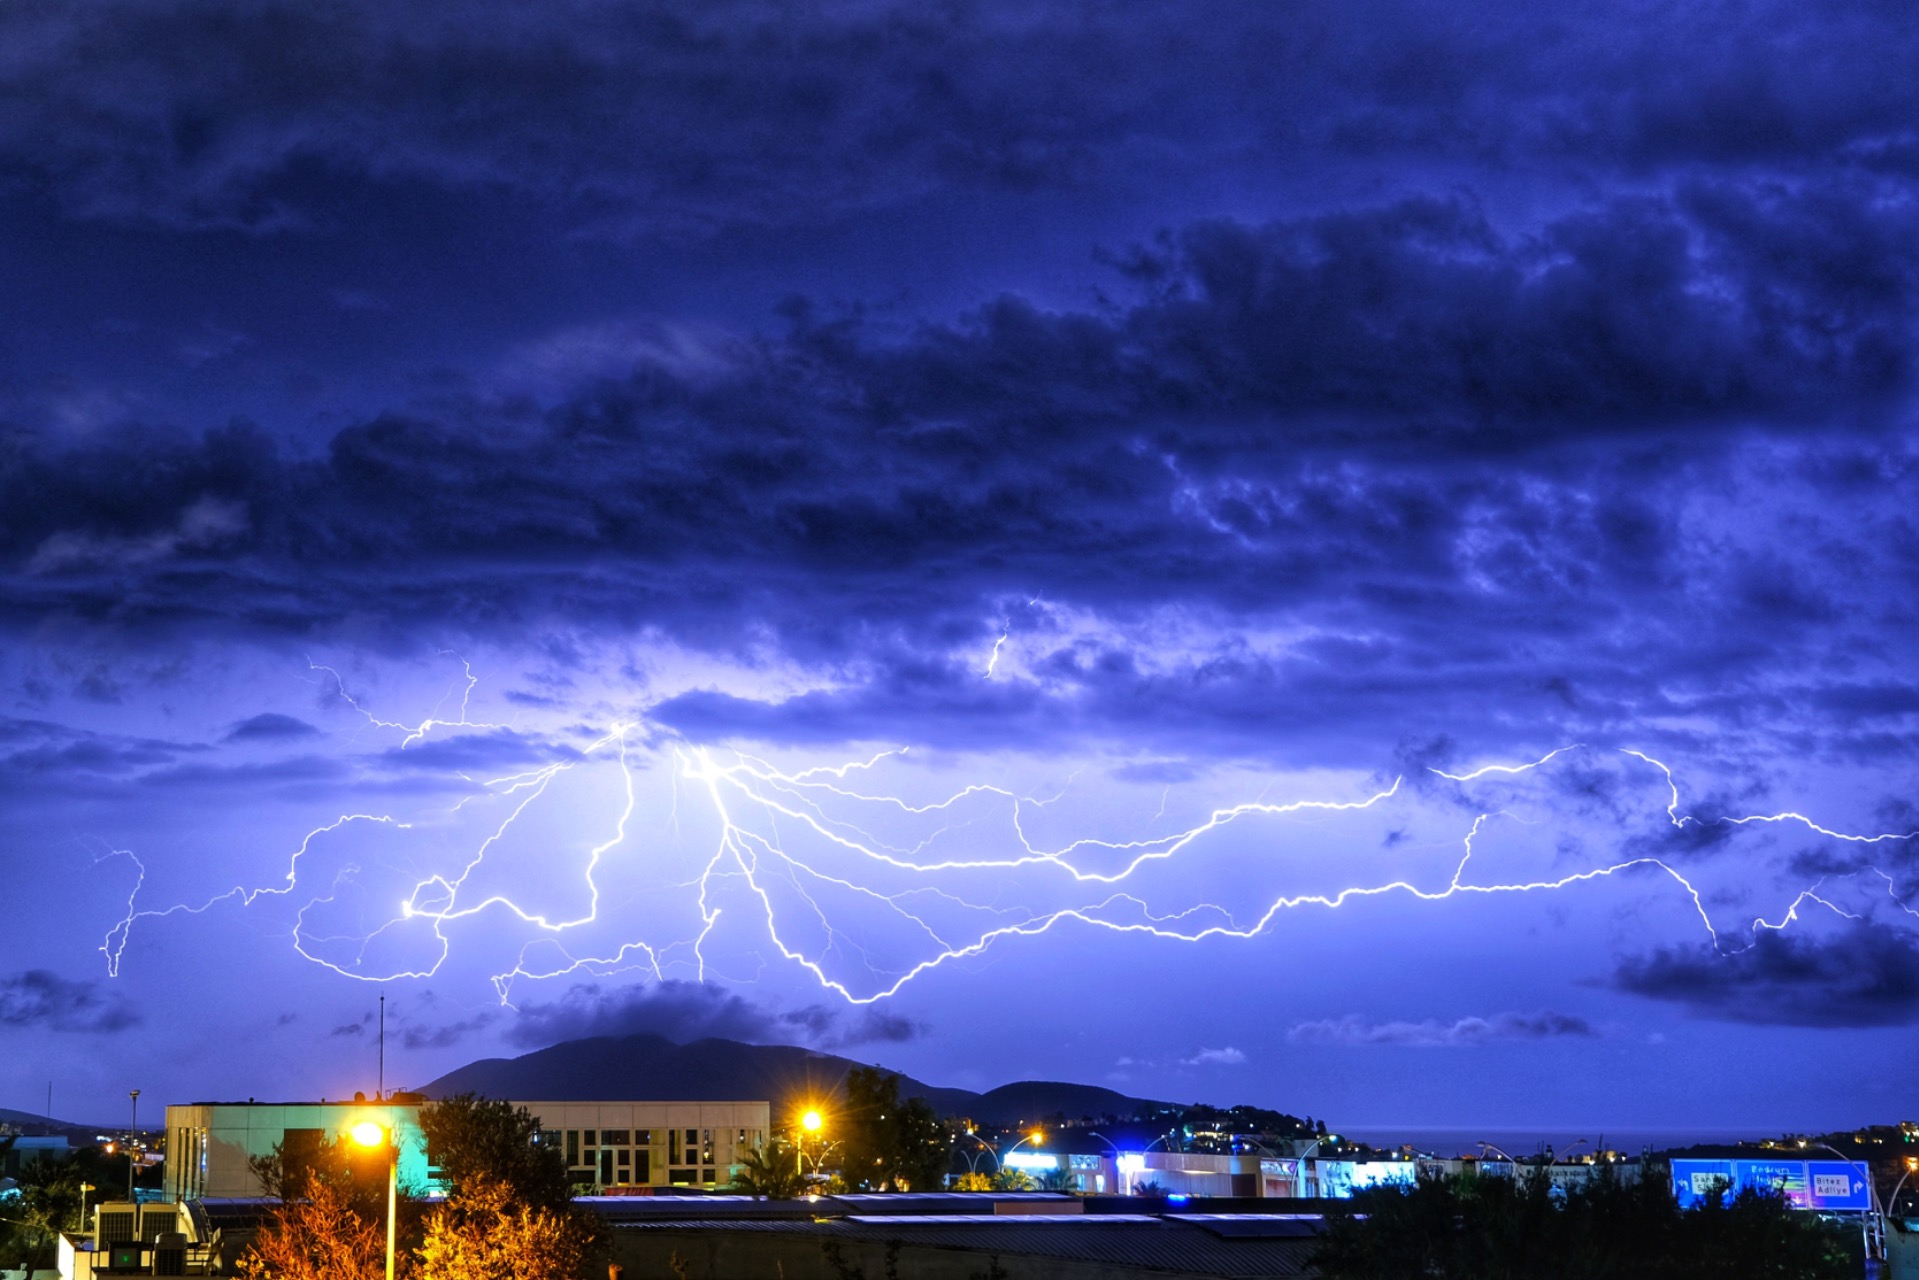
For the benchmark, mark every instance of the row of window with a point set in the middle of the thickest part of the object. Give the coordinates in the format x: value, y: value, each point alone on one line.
x: 629, y: 1152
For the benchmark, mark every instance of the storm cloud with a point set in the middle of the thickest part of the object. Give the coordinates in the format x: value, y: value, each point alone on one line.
x: 689, y: 1011
x: 1865, y: 976
x: 37, y: 1000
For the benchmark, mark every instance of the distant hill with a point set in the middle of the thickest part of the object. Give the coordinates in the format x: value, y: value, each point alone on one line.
x: 34, y: 1122
x: 650, y: 1067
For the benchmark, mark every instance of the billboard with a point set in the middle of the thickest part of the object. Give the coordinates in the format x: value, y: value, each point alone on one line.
x: 1829, y: 1185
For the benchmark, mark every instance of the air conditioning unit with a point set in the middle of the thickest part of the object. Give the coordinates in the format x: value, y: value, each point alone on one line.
x: 170, y: 1254
x: 156, y: 1220
x: 115, y: 1222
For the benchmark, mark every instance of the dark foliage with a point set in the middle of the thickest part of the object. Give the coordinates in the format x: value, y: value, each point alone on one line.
x: 886, y: 1142
x: 469, y: 1137
x: 1486, y: 1228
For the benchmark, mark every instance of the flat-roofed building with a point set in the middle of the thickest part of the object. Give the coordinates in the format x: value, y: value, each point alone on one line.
x: 608, y: 1146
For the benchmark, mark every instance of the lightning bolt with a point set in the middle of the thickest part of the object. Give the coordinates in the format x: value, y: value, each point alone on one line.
x: 838, y: 893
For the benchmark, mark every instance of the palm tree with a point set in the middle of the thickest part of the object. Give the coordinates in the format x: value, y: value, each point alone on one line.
x: 770, y: 1171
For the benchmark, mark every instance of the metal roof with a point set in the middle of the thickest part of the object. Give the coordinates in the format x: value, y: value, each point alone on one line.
x: 1172, y: 1245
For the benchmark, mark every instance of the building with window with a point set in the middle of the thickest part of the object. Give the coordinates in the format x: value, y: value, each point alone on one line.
x: 609, y: 1147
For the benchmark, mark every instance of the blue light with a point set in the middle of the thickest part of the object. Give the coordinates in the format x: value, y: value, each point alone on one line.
x: 1178, y: 1197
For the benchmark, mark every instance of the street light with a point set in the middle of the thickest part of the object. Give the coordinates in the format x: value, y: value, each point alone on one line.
x: 133, y: 1126
x: 1875, y: 1227
x: 811, y: 1123
x: 1120, y: 1174
x: 985, y: 1148
x: 371, y: 1133
x: 1892, y: 1201
x: 1299, y: 1169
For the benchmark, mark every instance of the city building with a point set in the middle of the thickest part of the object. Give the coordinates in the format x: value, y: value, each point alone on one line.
x: 617, y: 1147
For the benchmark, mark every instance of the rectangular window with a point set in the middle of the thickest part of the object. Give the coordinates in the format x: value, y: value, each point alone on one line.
x: 572, y: 1148
x: 643, y: 1166
x: 672, y: 1146
x: 606, y: 1166
x: 709, y: 1176
x: 614, y: 1137
x: 682, y: 1177
x: 706, y: 1147
x: 642, y: 1137
x: 625, y: 1158
x: 591, y: 1139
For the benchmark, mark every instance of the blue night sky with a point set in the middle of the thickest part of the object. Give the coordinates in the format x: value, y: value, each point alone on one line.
x: 1000, y: 539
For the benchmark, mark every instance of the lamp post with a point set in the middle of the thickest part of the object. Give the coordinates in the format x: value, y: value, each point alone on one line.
x: 811, y: 1122
x: 371, y: 1133
x: 1892, y: 1201
x: 1299, y: 1170
x: 1875, y: 1227
x: 133, y: 1126
x: 1119, y: 1174
x: 985, y: 1149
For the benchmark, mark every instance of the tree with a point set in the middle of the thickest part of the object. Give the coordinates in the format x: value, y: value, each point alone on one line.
x: 1490, y: 1228
x: 887, y: 1143
x: 770, y: 1171
x: 472, y: 1138
x: 490, y: 1233
x: 357, y: 1176
x: 319, y: 1236
x: 48, y: 1203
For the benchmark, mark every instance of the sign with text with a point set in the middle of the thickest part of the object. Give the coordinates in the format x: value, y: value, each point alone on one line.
x: 1806, y: 1184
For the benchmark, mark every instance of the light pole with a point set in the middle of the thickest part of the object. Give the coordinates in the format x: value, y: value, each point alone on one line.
x: 133, y: 1127
x: 1892, y: 1201
x: 1299, y: 1170
x: 1875, y: 1228
x: 1119, y: 1174
x: 985, y: 1149
x: 811, y: 1122
x: 371, y: 1133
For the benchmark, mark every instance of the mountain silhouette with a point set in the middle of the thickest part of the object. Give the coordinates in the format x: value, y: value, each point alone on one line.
x: 640, y: 1068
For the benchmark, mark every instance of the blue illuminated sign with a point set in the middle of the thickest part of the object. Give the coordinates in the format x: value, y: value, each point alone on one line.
x: 1806, y: 1184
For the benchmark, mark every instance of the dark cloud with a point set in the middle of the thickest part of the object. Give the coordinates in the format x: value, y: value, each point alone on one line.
x: 688, y: 1011
x: 691, y: 117
x: 1865, y: 976
x: 446, y: 1035
x: 1432, y: 1033
x: 1447, y: 455
x: 455, y: 749
x: 270, y: 726
x: 36, y: 999
x: 38, y: 754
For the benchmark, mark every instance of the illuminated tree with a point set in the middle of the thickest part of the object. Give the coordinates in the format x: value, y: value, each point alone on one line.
x: 475, y: 1139
x: 489, y: 1233
x: 320, y: 1236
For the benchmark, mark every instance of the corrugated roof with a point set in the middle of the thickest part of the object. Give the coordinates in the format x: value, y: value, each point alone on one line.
x: 1170, y: 1245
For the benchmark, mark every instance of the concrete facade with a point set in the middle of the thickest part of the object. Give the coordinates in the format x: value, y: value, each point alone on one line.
x: 608, y: 1146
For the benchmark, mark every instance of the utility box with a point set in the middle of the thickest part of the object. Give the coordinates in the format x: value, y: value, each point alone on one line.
x: 170, y: 1253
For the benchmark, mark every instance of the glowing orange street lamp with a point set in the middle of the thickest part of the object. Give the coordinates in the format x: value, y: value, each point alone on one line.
x: 370, y: 1134
x: 811, y: 1122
